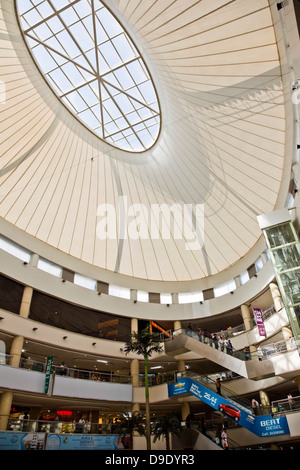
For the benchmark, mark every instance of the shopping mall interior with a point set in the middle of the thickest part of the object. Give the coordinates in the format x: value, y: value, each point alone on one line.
x: 149, y: 182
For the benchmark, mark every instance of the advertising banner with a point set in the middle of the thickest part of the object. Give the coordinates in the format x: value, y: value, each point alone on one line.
x: 43, y: 441
x: 22, y: 441
x: 259, y: 321
x: 48, y: 373
x: 263, y: 426
x: 83, y: 442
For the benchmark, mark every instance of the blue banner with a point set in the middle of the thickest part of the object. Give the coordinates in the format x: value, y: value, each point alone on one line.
x: 22, y: 441
x: 83, y: 442
x: 262, y: 426
x: 38, y: 441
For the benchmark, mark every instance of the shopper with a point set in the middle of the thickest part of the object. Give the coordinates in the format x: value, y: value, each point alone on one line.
x: 218, y: 434
x: 218, y: 386
x: 229, y: 347
x: 291, y: 401
x: 246, y: 353
x: 255, y: 406
x: 224, y: 438
x: 221, y: 343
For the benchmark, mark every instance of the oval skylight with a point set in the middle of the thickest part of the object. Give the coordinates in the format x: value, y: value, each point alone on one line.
x: 93, y: 66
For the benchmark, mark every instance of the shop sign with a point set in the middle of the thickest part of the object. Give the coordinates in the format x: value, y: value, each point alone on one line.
x: 48, y: 373
x: 259, y: 321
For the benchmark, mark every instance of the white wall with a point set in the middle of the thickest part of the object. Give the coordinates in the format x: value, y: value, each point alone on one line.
x: 31, y: 381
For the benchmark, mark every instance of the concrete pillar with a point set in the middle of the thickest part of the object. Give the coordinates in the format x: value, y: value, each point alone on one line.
x: 134, y: 370
x: 253, y: 350
x: 181, y: 368
x: 5, y: 406
x: 237, y: 281
x: 134, y: 325
x: 16, y: 350
x: 26, y: 302
x: 177, y: 325
x: 264, y: 400
x: 246, y: 317
x: 276, y: 296
x: 185, y: 410
x: 135, y: 407
x: 34, y: 260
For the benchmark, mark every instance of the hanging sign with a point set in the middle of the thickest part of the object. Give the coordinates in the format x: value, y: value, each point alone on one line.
x: 48, y: 373
x: 259, y: 321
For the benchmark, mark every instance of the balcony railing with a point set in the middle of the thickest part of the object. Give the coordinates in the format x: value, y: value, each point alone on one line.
x: 262, y: 353
x: 58, y: 427
x: 287, y: 405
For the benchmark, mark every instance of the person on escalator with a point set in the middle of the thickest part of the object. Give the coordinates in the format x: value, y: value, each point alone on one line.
x: 246, y: 353
x: 229, y: 347
x: 224, y: 439
x: 255, y: 406
x: 218, y: 386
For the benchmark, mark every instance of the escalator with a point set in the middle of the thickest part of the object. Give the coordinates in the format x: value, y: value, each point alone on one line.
x: 182, y: 343
x: 231, y: 406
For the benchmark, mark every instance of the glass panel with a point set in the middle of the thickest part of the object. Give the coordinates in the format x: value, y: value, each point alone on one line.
x: 287, y: 258
x: 50, y: 268
x: 14, y: 250
x: 81, y: 41
x: 286, y: 261
x: 280, y: 235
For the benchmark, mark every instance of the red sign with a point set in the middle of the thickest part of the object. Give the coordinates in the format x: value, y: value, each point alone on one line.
x: 64, y: 413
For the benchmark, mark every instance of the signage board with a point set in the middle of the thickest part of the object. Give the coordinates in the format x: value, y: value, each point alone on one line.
x: 259, y: 321
x: 48, y: 373
x: 263, y: 426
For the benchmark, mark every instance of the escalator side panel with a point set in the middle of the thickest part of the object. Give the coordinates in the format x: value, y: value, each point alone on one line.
x: 262, y: 426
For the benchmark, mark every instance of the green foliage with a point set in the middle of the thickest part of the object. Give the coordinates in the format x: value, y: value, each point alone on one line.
x: 144, y: 343
x: 164, y: 425
x: 128, y: 424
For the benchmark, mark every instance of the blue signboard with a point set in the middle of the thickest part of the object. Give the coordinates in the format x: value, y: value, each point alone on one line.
x: 83, y: 442
x: 22, y: 441
x: 38, y: 441
x: 262, y: 426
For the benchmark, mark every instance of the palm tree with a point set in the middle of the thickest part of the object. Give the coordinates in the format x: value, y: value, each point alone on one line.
x: 128, y: 424
x: 145, y: 343
x: 164, y: 425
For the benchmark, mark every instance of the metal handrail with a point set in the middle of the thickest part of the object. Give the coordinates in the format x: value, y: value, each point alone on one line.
x: 286, y: 405
x: 226, y: 393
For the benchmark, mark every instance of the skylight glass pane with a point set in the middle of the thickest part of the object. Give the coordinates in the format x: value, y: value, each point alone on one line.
x: 117, y: 291
x: 14, y: 249
x: 190, y: 297
x: 85, y: 282
x: 225, y: 288
x: 50, y: 268
x: 79, y: 42
x: 123, y: 47
x: 244, y: 277
x: 142, y: 296
x: 259, y: 264
x: 166, y: 299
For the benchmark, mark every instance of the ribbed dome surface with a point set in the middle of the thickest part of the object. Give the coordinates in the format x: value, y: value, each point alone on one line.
x: 216, y: 69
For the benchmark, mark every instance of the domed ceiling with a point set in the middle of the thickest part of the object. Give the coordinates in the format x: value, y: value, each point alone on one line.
x: 185, y: 208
